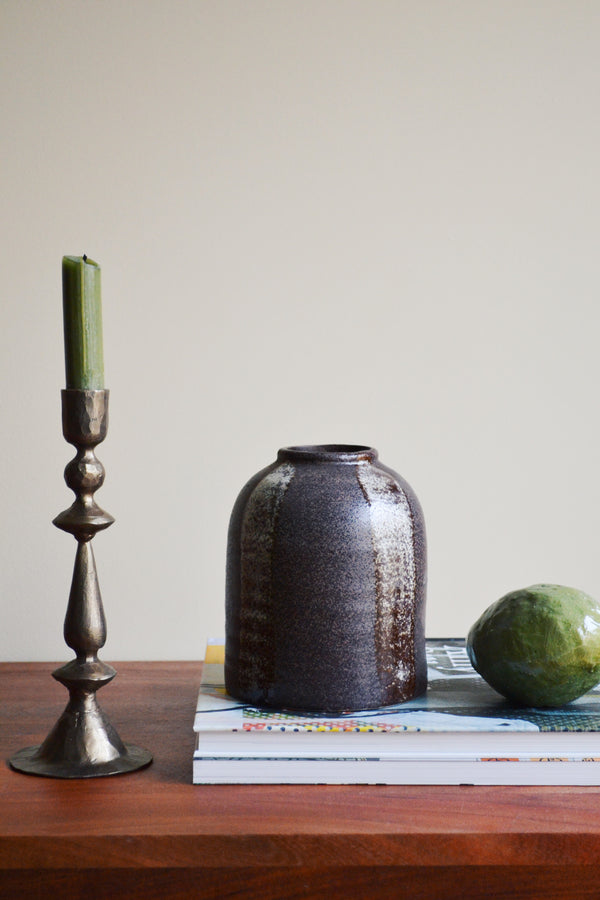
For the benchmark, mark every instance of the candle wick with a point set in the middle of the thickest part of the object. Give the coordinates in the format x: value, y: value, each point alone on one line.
x: 84, y: 258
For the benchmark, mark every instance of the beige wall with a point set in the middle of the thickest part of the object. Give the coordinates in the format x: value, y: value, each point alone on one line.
x: 317, y: 221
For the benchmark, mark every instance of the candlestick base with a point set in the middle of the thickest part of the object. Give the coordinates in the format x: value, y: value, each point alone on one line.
x: 83, y: 743
x: 30, y: 762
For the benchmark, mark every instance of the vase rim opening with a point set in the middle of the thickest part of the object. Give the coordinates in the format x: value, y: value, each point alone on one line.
x: 351, y: 453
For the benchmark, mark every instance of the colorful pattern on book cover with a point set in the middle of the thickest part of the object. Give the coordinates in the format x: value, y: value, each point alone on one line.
x: 457, y: 699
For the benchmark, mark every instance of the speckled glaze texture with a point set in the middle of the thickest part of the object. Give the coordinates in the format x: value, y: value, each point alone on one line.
x: 326, y: 578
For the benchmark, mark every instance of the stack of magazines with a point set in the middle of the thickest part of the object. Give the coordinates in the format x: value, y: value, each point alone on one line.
x: 459, y: 732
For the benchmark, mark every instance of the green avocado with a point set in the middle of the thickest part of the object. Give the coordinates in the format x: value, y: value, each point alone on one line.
x: 539, y: 646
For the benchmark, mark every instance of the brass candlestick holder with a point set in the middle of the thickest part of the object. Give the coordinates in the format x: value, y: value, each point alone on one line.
x: 83, y: 743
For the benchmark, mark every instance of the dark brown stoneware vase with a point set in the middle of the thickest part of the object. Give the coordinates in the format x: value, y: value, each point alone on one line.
x: 326, y: 572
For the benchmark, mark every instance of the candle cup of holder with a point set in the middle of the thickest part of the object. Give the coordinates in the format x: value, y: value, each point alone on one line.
x: 83, y: 743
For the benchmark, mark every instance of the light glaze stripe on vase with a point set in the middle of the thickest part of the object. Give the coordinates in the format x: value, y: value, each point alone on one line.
x: 392, y: 534
x: 257, y: 617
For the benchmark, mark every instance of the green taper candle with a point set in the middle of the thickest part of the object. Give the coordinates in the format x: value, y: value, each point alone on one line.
x: 82, y: 316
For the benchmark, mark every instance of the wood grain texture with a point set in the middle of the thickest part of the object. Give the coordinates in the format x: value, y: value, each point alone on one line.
x: 154, y: 834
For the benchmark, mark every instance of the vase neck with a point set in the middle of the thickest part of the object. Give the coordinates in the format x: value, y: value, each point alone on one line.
x: 336, y: 453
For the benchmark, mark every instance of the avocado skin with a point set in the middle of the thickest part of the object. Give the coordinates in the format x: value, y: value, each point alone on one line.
x: 538, y: 646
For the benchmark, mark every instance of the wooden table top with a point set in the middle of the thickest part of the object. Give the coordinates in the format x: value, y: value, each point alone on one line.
x: 154, y: 834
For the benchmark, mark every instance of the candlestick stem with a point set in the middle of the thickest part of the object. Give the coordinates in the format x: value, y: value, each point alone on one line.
x: 83, y: 743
